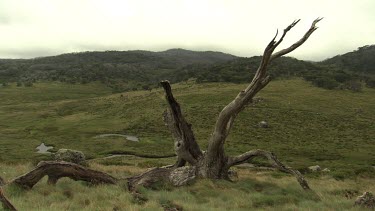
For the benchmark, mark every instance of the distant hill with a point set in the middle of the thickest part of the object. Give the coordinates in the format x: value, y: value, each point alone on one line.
x: 119, y: 69
x: 130, y: 70
x: 242, y: 69
x: 348, y: 71
x: 361, y: 61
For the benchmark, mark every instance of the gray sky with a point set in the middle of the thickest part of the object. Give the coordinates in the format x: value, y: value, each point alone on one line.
x: 33, y: 28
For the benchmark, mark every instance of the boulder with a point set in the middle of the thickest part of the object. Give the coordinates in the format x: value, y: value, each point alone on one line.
x: 69, y: 155
x: 315, y: 168
x: 326, y: 170
x: 263, y: 124
x: 366, y: 200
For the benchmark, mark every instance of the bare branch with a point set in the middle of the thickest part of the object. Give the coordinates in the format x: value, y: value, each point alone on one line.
x: 275, y: 162
x: 299, y: 42
x: 261, y: 79
x: 186, y: 146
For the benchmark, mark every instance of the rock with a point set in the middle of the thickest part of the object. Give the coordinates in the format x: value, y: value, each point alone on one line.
x: 366, y: 200
x: 315, y: 168
x: 326, y: 170
x: 69, y: 155
x: 263, y: 124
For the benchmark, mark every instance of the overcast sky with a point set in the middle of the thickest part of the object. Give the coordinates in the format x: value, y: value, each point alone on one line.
x: 34, y: 28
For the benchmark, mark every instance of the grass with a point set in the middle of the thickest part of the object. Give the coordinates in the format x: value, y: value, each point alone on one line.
x: 308, y: 126
x: 252, y: 190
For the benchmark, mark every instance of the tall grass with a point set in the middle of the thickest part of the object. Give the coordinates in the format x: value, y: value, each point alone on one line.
x: 252, y: 191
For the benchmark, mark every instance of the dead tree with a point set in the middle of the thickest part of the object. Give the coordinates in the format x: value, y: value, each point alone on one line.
x: 214, y: 163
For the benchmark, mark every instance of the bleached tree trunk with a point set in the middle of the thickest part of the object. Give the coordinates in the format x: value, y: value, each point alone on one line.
x: 214, y: 163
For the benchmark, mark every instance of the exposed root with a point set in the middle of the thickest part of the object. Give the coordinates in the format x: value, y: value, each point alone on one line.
x: 58, y: 169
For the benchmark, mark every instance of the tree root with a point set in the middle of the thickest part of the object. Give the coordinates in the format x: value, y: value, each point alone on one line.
x: 275, y: 162
x: 58, y: 169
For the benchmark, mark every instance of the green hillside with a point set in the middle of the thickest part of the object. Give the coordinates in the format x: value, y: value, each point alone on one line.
x: 120, y: 70
x: 308, y: 125
x: 361, y: 61
x: 142, y: 70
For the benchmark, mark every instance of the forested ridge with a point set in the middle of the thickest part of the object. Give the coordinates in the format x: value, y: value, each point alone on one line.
x: 131, y: 70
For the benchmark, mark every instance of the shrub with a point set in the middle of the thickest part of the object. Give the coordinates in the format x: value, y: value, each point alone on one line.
x: 325, y: 82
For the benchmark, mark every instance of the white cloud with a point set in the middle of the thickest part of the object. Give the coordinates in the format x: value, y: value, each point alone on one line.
x: 242, y: 27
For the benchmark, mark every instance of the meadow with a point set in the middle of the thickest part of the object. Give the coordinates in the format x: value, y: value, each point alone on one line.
x: 307, y: 126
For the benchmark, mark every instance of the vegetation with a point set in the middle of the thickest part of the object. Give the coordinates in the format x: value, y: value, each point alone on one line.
x: 258, y: 190
x: 142, y: 70
x: 307, y: 125
x: 120, y: 70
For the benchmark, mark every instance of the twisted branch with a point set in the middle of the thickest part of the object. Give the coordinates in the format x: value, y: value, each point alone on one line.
x: 275, y: 162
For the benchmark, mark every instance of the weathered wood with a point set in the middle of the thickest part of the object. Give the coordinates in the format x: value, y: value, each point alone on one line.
x: 212, y: 165
x: 275, y: 162
x: 6, y: 203
x: 58, y: 169
x: 185, y: 144
x: 162, y: 176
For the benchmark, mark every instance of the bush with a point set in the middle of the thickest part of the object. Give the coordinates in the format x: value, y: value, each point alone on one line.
x: 325, y: 82
x: 353, y: 85
x: 28, y: 84
x: 370, y: 83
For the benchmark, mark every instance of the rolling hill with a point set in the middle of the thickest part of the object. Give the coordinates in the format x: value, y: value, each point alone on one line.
x: 132, y: 70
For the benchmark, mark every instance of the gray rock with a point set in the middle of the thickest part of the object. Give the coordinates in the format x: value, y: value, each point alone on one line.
x: 366, y: 200
x: 69, y: 155
x: 326, y: 170
x: 263, y: 124
x: 315, y: 168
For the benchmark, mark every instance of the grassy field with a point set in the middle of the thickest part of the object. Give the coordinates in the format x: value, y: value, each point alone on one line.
x: 253, y: 190
x: 308, y: 126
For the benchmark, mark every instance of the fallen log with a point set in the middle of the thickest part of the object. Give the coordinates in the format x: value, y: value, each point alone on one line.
x: 6, y: 203
x: 58, y: 169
